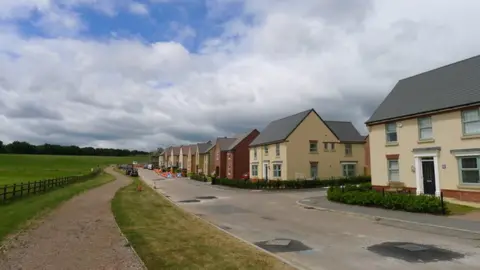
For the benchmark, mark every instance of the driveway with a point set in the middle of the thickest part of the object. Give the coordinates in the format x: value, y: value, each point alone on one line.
x: 318, y: 239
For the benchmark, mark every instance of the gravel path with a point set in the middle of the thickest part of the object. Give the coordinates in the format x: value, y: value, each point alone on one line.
x: 80, y: 234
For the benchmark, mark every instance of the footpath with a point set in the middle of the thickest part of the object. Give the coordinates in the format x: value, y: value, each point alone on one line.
x: 80, y: 234
x: 471, y: 228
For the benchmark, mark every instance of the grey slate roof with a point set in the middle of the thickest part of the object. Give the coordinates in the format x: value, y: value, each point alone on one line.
x: 203, y: 147
x: 345, y: 131
x: 176, y: 150
x: 279, y: 130
x: 239, y: 139
x: 449, y: 86
x: 193, y: 148
x: 225, y: 143
x: 184, y: 149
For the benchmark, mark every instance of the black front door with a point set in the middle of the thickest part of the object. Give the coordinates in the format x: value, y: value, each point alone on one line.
x: 428, y: 177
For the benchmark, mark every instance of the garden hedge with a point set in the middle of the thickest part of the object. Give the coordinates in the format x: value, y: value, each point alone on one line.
x: 286, y: 184
x: 363, y: 195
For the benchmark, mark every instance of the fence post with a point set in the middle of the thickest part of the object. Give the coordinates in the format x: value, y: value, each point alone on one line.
x: 383, y: 192
x: 28, y: 191
x: 442, y: 202
x: 5, y: 192
x: 14, y: 188
x: 21, y: 189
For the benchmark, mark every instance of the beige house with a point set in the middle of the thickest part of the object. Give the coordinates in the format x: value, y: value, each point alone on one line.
x: 183, y: 156
x: 174, y: 156
x: 425, y: 136
x: 191, y: 158
x: 201, y: 155
x: 303, y: 146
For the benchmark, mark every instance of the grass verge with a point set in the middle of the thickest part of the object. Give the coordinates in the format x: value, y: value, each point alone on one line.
x: 22, y: 213
x: 458, y: 209
x: 166, y: 237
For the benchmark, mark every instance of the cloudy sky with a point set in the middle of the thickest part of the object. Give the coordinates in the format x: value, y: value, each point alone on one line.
x: 147, y: 73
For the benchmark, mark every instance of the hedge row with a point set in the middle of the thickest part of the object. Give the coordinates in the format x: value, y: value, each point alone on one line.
x: 284, y: 184
x: 363, y: 195
x: 198, y: 177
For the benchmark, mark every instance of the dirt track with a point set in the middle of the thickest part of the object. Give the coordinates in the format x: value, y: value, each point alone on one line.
x: 80, y: 234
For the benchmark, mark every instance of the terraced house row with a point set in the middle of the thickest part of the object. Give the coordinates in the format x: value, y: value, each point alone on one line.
x: 300, y: 146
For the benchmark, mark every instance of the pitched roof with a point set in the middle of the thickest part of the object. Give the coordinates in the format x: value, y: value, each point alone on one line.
x: 239, y: 139
x: 203, y: 147
x: 168, y: 150
x: 176, y: 150
x: 345, y: 131
x: 193, y: 148
x: 446, y: 87
x: 185, y: 149
x: 225, y: 143
x: 279, y: 130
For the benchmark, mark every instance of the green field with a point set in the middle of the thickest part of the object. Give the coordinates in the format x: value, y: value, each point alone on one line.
x: 23, y: 168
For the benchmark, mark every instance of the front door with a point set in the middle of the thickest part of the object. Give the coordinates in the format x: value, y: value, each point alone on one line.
x: 428, y: 171
x: 265, y: 171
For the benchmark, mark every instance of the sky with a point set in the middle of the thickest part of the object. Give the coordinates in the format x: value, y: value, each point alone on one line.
x: 142, y: 74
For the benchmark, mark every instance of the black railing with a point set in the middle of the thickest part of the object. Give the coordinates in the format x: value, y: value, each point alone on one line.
x: 15, y: 191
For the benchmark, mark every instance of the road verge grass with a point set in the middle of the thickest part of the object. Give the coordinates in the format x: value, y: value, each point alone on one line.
x: 166, y: 237
x: 21, y: 214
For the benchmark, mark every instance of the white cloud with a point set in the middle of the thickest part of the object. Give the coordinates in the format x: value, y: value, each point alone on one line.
x: 138, y: 8
x: 339, y: 57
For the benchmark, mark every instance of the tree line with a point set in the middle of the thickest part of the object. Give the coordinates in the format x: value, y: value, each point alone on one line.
x: 17, y: 147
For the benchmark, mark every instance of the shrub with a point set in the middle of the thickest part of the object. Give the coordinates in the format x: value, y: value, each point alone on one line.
x: 364, y: 196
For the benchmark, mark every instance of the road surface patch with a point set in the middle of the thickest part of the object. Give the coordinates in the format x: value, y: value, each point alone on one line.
x: 414, y: 253
x: 279, y: 245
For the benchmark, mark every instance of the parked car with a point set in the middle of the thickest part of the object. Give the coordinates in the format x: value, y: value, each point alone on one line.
x: 145, y: 166
x: 245, y: 176
x: 150, y: 166
x: 134, y: 172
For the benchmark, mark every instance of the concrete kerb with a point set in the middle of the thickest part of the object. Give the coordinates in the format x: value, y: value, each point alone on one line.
x: 227, y: 232
x: 379, y: 218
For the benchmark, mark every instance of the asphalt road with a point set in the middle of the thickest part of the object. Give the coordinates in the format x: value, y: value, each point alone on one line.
x: 319, y: 239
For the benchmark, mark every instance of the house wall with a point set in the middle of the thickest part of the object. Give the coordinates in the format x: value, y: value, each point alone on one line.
x: 367, y: 156
x: 211, y: 160
x: 192, y: 164
x: 447, y: 133
x: 329, y: 162
x: 269, y: 159
x: 189, y: 159
x: 238, y: 161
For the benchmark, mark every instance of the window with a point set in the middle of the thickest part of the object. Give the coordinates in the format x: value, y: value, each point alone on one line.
x: 391, y: 132
x: 325, y: 146
x: 313, y: 146
x: 393, y: 170
x: 349, y: 169
x: 348, y: 149
x: 425, y: 130
x: 218, y: 155
x: 254, y: 153
x: 265, y: 149
x: 277, y: 170
x: 254, y: 170
x: 332, y: 146
x: 471, y: 122
x: 277, y: 149
x: 313, y: 170
x: 470, y: 170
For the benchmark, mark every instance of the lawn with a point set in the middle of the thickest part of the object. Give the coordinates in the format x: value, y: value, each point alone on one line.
x: 23, y: 168
x: 20, y: 214
x: 166, y: 237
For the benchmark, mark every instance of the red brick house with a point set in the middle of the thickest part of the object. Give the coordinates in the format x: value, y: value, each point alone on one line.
x: 238, y: 154
x: 218, y: 156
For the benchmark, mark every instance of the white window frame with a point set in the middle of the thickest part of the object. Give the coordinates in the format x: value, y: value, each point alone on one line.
x: 254, y: 153
x: 464, y: 122
x: 277, y: 170
x: 255, y: 170
x: 390, y: 170
x: 461, y: 169
x: 325, y: 146
x: 316, y: 166
x: 388, y: 131
x: 277, y: 149
x: 265, y: 150
x: 345, y: 169
x: 332, y: 146
x: 422, y: 127
x: 348, y: 149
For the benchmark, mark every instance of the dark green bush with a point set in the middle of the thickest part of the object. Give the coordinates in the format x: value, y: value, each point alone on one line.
x: 363, y: 195
x: 364, y: 182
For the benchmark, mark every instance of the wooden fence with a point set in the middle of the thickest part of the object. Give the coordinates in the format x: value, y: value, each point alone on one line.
x: 15, y: 191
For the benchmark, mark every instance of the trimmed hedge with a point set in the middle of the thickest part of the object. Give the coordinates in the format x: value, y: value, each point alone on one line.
x: 364, y: 195
x: 198, y: 177
x: 287, y: 184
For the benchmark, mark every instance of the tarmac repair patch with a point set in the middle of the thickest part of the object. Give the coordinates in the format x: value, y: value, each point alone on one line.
x: 414, y: 253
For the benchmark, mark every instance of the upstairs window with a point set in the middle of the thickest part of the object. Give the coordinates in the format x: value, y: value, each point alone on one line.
x: 425, y: 131
x: 325, y: 146
x: 277, y: 149
x: 313, y: 146
x: 254, y: 153
x: 471, y: 122
x: 391, y: 132
x: 265, y: 149
x: 348, y: 149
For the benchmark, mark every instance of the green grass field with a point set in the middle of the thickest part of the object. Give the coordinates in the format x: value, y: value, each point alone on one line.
x: 23, y: 168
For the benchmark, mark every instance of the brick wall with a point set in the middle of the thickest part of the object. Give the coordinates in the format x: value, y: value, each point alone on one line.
x: 241, y: 156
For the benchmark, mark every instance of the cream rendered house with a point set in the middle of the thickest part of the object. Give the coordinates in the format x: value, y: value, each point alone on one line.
x: 174, y: 156
x: 183, y: 156
x: 425, y: 135
x: 201, y: 155
x: 191, y: 161
x: 303, y: 146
